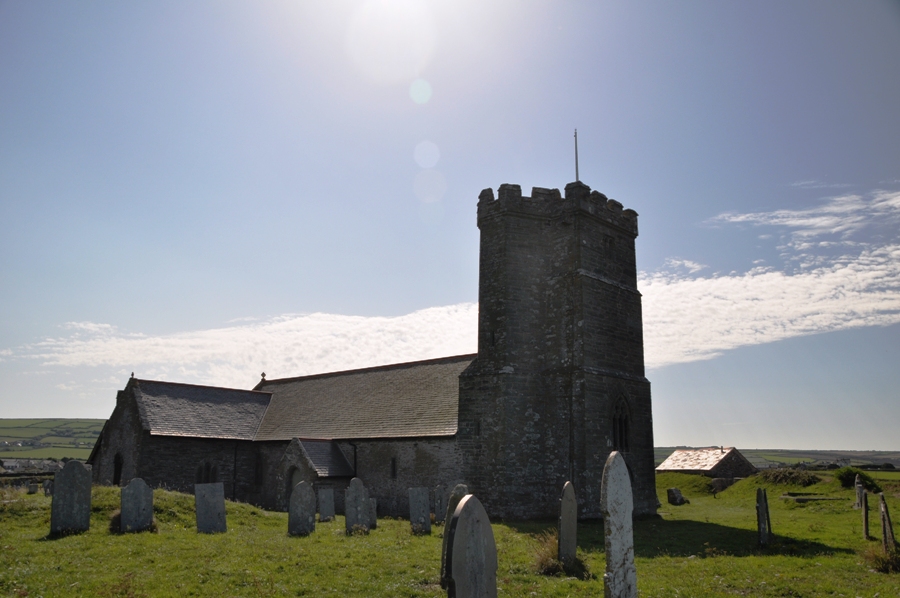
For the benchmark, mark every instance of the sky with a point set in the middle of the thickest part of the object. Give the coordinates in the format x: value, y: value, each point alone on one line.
x: 203, y: 191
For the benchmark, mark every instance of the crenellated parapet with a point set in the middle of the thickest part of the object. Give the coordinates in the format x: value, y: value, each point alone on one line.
x: 550, y: 203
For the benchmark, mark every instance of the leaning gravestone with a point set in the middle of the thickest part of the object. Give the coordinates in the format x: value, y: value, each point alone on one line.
x: 326, y: 504
x: 471, y: 552
x: 865, y: 514
x: 440, y: 503
x: 675, y: 497
x: 373, y: 513
x: 302, y: 510
x: 887, y: 530
x: 763, y: 522
x: 70, y: 510
x: 456, y: 495
x: 209, y: 502
x: 860, y: 490
x: 568, y: 522
x: 356, y: 507
x: 419, y: 511
x: 136, y: 513
x: 617, y: 505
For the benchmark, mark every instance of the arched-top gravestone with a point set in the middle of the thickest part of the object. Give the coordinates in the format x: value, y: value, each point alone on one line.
x: 471, y: 552
x: 302, y: 510
x: 419, y: 510
x: 617, y: 506
x: 568, y: 524
x: 70, y: 510
x: 326, y: 504
x: 209, y: 502
x: 456, y: 495
x: 136, y: 513
x: 356, y: 507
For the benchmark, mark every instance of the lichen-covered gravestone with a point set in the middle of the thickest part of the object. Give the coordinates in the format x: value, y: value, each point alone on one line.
x: 865, y: 514
x: 356, y: 507
x: 568, y: 525
x: 763, y: 522
x: 617, y: 505
x: 419, y: 511
x: 860, y: 490
x: 209, y: 502
x: 456, y: 495
x: 70, y: 510
x: 471, y: 552
x: 302, y: 510
x: 136, y: 513
x: 326, y: 504
x: 48, y: 487
x: 675, y: 497
x: 887, y: 530
x: 373, y: 513
x: 440, y: 503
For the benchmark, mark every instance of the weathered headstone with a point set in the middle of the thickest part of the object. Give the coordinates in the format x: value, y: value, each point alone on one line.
x: 865, y: 515
x: 887, y: 530
x: 32, y: 488
x: 419, y: 510
x: 70, y: 510
x: 209, y: 502
x: 763, y: 522
x: 48, y: 487
x: 860, y: 490
x: 302, y: 510
x: 356, y: 507
x: 471, y: 552
x: 326, y: 504
x: 568, y: 525
x: 136, y: 513
x: 373, y: 513
x: 676, y: 497
x: 617, y: 506
x: 456, y: 495
x: 440, y: 503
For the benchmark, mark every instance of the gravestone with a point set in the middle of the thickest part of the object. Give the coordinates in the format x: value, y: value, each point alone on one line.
x: 763, y: 522
x: 136, y: 505
x: 48, y: 487
x: 33, y: 488
x: 471, y: 552
x: 456, y: 495
x: 419, y: 511
x: 356, y: 507
x: 209, y: 502
x: 617, y: 506
x: 860, y: 490
x: 70, y: 509
x: 865, y: 515
x: 887, y: 530
x: 440, y: 503
x: 568, y: 525
x: 675, y: 497
x: 302, y: 510
x: 326, y: 504
x: 373, y: 513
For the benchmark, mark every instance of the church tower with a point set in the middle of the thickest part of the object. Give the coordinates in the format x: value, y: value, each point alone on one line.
x: 559, y: 379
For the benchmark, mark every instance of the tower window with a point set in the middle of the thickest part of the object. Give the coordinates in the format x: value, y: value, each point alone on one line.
x: 620, y: 427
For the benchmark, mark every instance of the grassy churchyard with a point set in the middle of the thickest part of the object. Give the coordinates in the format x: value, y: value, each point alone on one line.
x: 705, y: 548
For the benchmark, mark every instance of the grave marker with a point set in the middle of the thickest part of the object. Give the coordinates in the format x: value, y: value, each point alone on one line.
x: 617, y: 505
x: 373, y: 513
x: 326, y: 504
x: 568, y: 525
x: 419, y: 511
x: 48, y: 487
x: 887, y: 530
x: 763, y: 522
x: 456, y: 495
x: 136, y: 505
x: 865, y: 515
x: 70, y: 510
x: 440, y: 503
x: 209, y: 503
x: 302, y: 510
x: 356, y: 507
x: 860, y: 490
x: 675, y: 497
x: 471, y: 552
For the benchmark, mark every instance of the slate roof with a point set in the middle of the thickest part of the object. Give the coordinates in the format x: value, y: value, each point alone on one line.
x: 171, y: 409
x: 395, y: 401
x: 326, y: 458
x: 701, y: 459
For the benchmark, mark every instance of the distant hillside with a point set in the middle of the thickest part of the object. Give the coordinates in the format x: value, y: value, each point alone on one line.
x: 48, y: 438
x: 764, y: 458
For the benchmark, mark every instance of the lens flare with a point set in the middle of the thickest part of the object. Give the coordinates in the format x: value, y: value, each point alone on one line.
x: 427, y: 154
x: 430, y: 186
x: 420, y: 91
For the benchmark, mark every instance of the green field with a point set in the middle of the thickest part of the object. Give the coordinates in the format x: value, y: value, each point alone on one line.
x: 48, y: 438
x: 705, y: 548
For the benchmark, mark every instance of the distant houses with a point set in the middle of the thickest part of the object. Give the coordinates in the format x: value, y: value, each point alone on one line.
x: 715, y: 462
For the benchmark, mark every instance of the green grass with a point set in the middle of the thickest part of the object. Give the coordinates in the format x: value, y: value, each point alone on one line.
x: 47, y: 452
x: 706, y: 548
x: 73, y: 438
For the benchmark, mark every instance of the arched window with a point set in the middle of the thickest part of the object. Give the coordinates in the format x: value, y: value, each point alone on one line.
x: 117, y: 469
x: 620, y: 427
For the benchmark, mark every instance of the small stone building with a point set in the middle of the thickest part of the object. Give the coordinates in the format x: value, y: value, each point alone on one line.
x: 715, y: 462
x: 557, y: 384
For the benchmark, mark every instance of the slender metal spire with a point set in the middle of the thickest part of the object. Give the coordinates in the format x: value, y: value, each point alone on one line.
x: 576, y: 157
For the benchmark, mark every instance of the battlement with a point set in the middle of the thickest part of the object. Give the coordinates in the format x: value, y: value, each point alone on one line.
x: 551, y: 203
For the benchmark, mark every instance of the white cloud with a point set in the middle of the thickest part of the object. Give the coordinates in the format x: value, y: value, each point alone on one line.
x: 816, y: 184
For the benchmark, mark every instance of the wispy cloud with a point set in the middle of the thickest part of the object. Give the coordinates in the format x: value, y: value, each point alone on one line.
x: 816, y: 184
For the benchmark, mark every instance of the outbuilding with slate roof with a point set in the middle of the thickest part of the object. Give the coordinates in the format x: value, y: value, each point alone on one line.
x: 715, y: 462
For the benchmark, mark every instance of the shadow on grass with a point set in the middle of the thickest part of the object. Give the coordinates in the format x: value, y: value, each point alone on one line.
x: 655, y: 537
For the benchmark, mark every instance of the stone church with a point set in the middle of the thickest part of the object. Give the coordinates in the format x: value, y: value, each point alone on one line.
x: 557, y: 384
